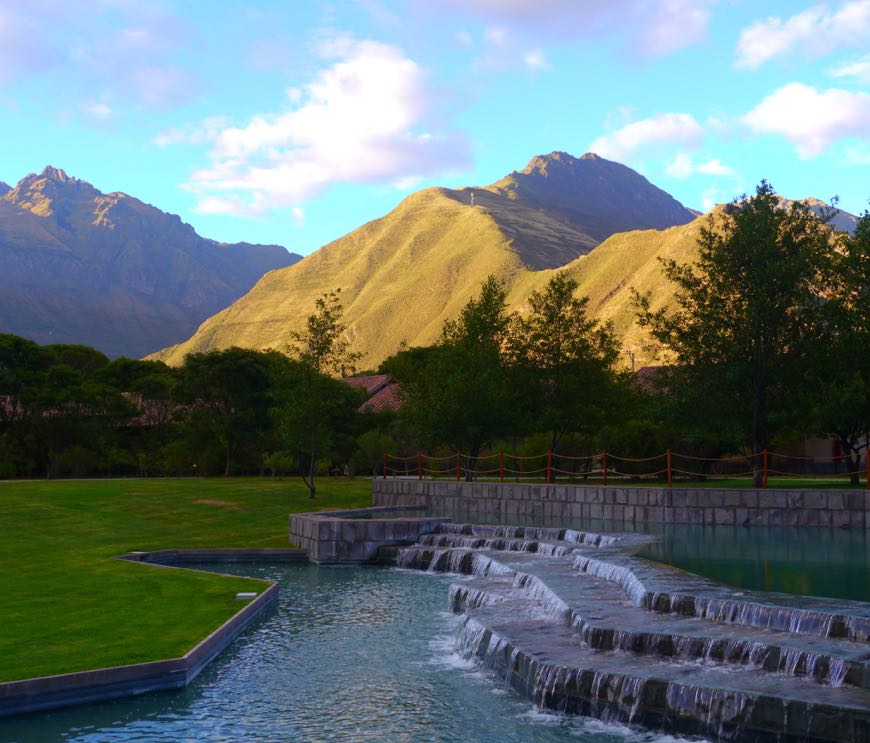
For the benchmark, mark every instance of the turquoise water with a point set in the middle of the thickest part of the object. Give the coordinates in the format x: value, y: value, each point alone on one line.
x: 811, y: 561
x: 350, y: 654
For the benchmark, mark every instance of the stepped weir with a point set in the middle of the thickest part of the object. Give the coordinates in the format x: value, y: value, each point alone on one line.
x: 580, y: 624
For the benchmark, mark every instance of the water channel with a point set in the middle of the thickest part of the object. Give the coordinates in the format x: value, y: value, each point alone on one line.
x: 367, y: 654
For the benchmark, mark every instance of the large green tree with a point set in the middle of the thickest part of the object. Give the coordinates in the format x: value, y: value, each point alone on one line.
x: 749, y: 315
x: 462, y: 392
x: 227, y: 395
x: 842, y: 376
x: 568, y: 361
x: 317, y: 409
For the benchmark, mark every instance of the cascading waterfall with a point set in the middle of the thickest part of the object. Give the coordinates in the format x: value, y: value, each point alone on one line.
x: 579, y: 626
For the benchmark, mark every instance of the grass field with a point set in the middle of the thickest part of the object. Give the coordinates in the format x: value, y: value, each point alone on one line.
x: 68, y: 606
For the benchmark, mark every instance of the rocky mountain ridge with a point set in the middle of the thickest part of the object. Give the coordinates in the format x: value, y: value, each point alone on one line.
x: 108, y: 270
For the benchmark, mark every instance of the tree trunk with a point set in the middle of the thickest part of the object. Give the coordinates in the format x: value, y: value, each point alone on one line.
x: 312, y: 471
x: 473, y: 453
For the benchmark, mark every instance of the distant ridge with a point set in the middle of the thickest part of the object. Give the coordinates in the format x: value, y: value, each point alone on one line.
x: 599, y: 196
x: 108, y: 270
x: 402, y: 275
x: 4, y: 187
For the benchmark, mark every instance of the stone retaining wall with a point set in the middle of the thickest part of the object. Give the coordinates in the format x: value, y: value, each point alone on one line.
x: 356, y: 536
x: 518, y: 502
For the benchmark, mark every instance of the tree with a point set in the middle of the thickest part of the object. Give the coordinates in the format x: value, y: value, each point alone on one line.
x: 842, y: 378
x: 228, y: 395
x: 461, y: 392
x: 310, y: 419
x: 749, y: 314
x: 569, y: 362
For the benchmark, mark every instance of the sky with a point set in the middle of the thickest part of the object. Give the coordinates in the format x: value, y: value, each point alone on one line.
x: 295, y: 122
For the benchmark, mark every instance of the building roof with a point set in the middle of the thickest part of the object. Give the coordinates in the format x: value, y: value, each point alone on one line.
x: 384, y: 394
x: 371, y: 383
x: 389, y: 397
x: 653, y: 379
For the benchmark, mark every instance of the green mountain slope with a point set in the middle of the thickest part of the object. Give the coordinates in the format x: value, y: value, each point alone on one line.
x: 110, y: 271
x: 403, y: 275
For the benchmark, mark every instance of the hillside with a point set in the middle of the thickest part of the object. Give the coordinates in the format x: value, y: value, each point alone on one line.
x: 108, y: 270
x: 402, y: 275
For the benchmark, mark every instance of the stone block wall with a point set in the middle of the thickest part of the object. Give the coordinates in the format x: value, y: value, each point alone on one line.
x: 523, y: 502
x: 356, y: 536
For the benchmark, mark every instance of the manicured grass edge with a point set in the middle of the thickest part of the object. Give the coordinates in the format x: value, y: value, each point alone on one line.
x: 62, y: 690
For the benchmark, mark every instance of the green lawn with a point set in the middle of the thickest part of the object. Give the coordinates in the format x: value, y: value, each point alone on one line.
x: 68, y: 606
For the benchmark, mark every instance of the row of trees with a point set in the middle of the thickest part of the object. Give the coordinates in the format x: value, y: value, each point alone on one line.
x: 69, y: 410
x: 769, y: 342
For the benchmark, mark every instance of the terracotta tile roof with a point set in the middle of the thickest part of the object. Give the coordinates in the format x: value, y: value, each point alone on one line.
x: 388, y: 397
x: 371, y: 383
x: 652, y: 378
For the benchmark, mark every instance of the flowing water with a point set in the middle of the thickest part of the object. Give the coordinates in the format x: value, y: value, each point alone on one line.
x: 808, y: 561
x: 350, y: 654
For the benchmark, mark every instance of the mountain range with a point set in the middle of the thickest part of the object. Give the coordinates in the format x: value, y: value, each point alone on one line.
x: 404, y: 274
x: 110, y: 271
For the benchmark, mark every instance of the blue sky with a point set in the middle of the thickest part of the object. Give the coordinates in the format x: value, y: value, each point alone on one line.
x: 294, y: 122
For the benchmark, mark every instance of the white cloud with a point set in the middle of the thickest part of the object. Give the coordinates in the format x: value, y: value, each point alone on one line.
x: 98, y: 110
x: 714, y: 167
x: 712, y: 196
x: 361, y: 120
x: 812, y: 120
x: 857, y: 68
x: 650, y: 133
x: 205, y: 131
x: 654, y: 27
x: 813, y: 32
x: 536, y: 61
x: 683, y: 166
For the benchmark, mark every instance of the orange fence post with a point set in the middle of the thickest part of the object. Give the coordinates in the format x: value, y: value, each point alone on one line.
x: 419, y: 465
x: 670, y: 469
x: 604, y: 458
x: 386, y: 464
x: 549, y: 466
x: 501, y: 466
x: 458, y: 466
x: 764, y: 468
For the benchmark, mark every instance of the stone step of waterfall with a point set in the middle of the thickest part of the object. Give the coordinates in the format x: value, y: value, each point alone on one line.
x: 625, y: 541
x: 664, y: 589
x: 499, y: 544
x: 603, y: 620
x: 541, y: 659
x: 600, y: 613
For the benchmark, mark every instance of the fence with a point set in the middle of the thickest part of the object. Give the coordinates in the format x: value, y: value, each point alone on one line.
x: 606, y: 467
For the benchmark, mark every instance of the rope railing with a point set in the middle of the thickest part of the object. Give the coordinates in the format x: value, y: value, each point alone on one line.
x: 606, y: 466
